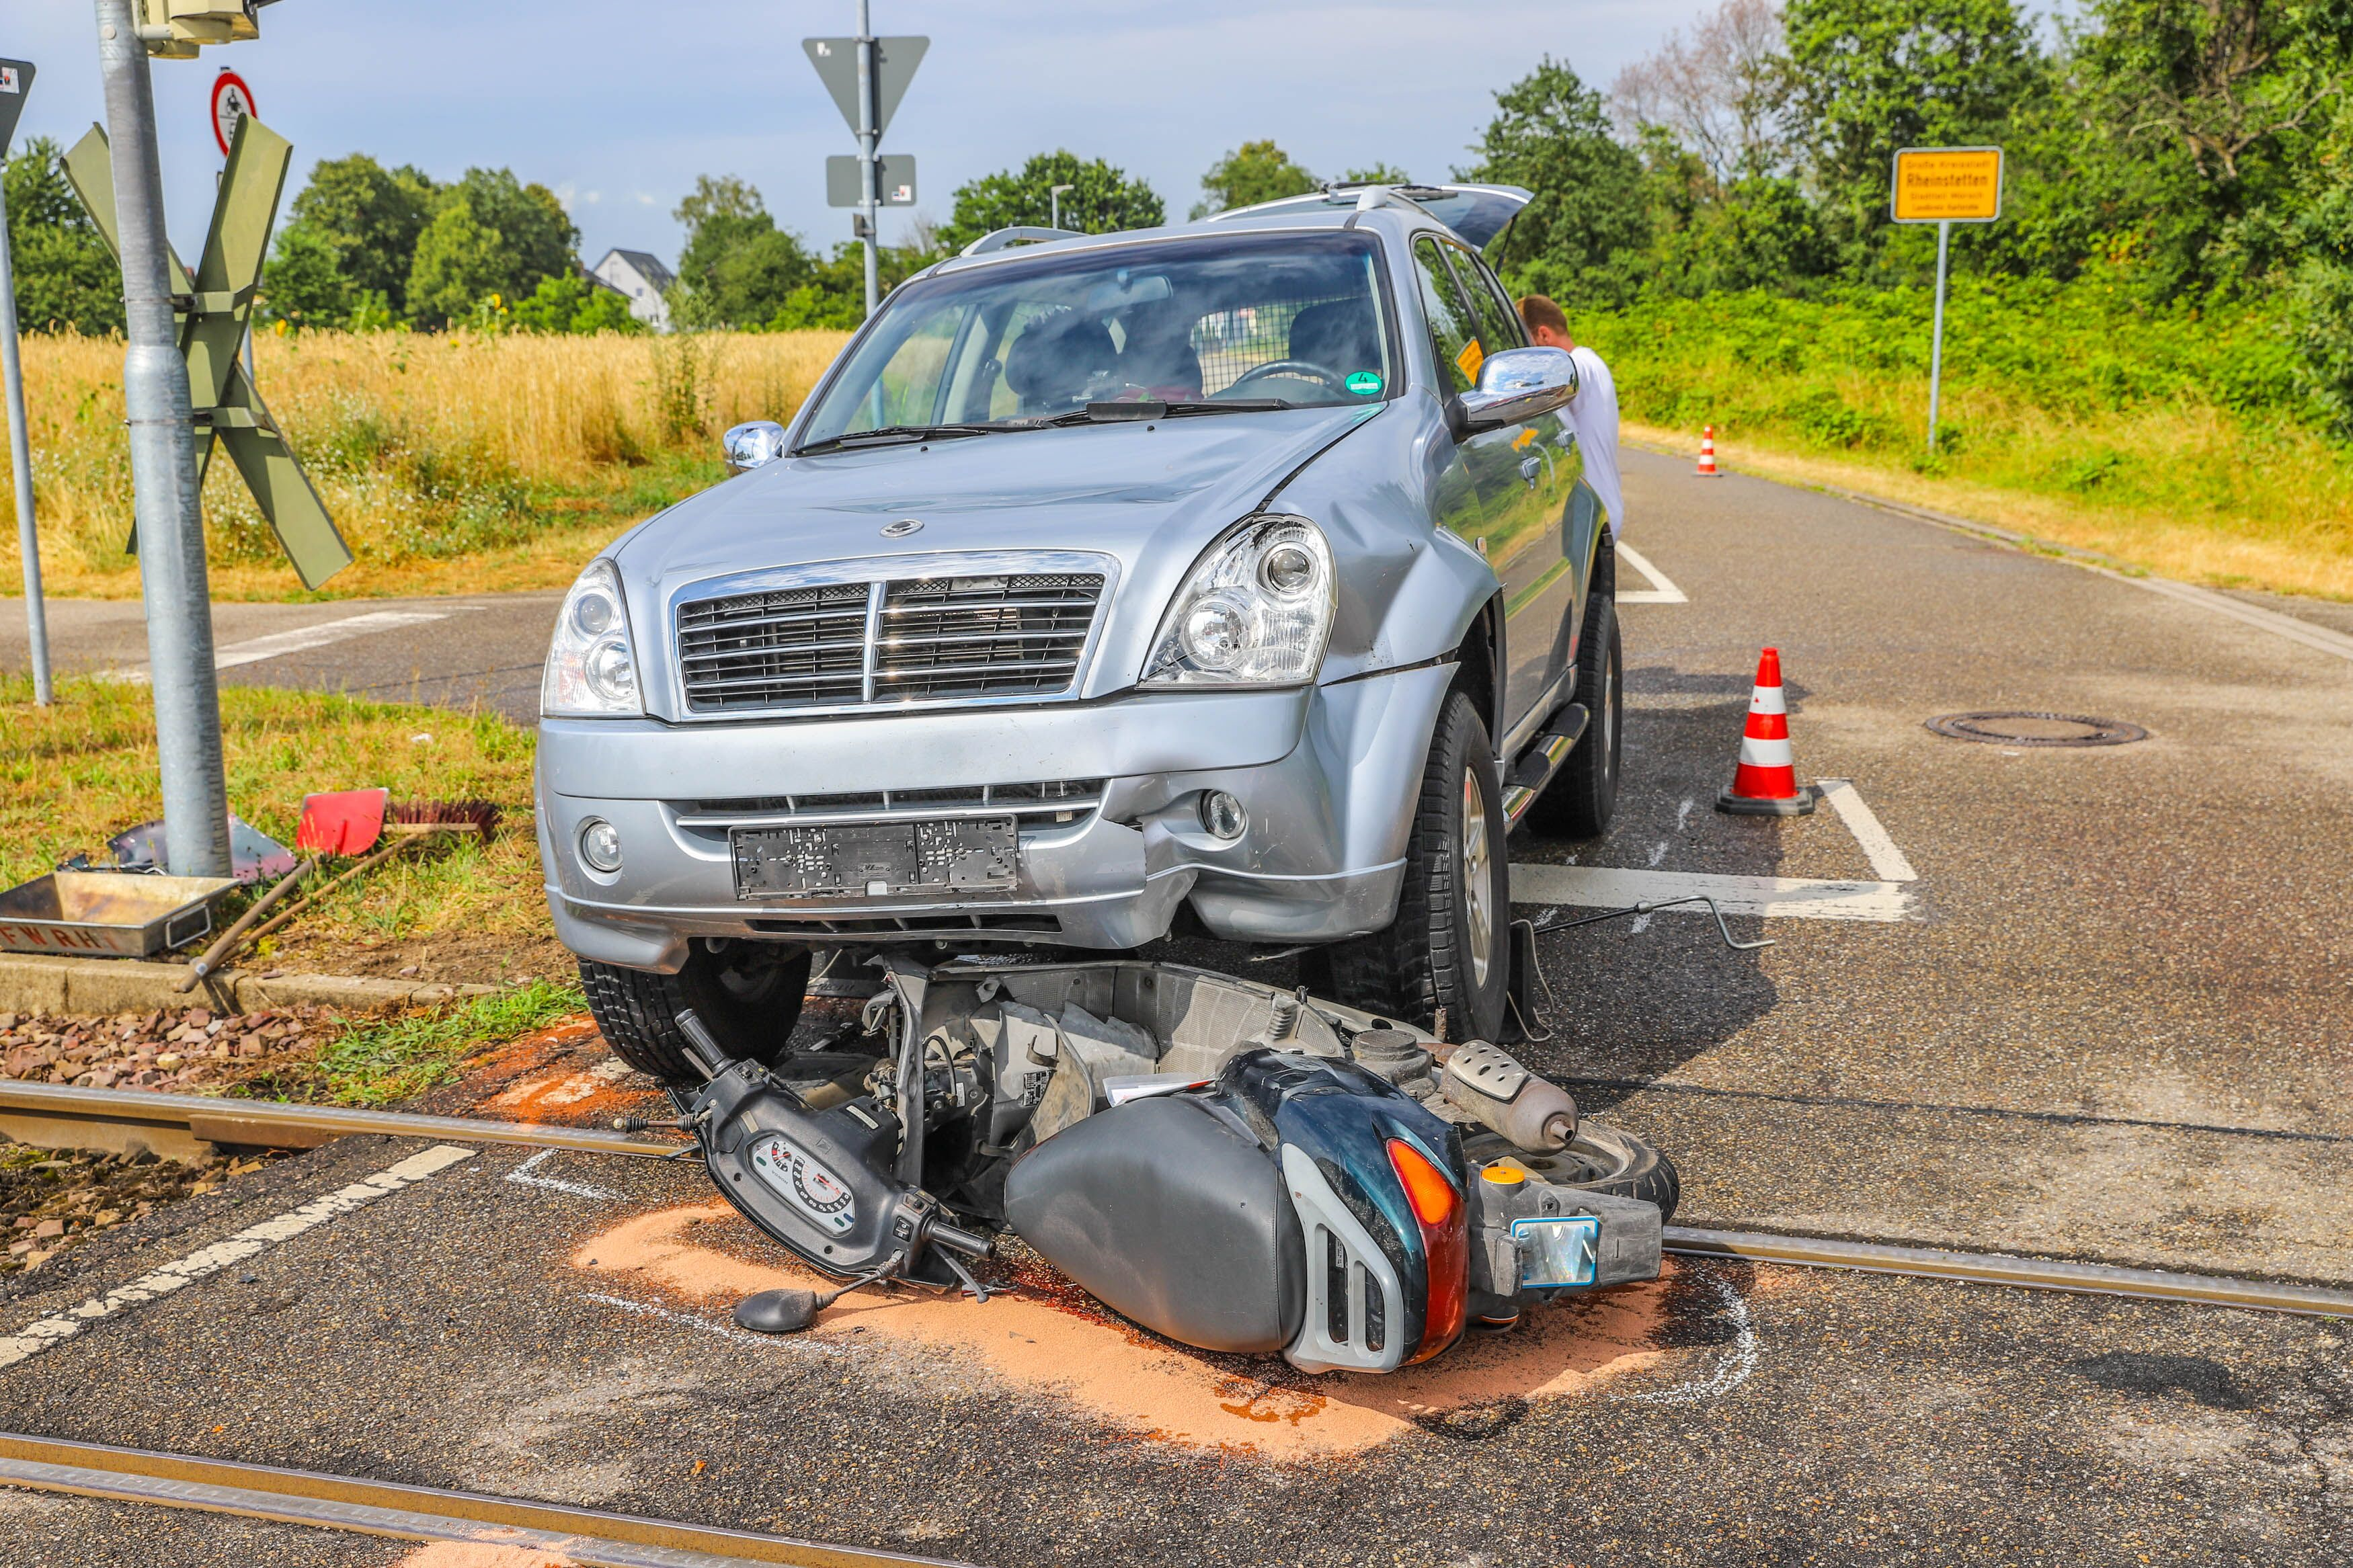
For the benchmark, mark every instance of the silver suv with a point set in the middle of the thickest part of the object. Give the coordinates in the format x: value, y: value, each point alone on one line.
x: 1235, y: 578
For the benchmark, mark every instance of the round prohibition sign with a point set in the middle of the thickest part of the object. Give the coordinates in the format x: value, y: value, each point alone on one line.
x: 232, y: 101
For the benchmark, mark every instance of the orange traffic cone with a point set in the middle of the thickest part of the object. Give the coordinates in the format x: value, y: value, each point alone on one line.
x: 1766, y: 784
x: 1707, y: 452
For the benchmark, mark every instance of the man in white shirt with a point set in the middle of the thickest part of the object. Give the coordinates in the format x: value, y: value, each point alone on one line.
x: 1593, y: 412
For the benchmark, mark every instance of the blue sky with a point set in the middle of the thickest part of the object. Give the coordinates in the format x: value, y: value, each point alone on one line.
x: 617, y: 107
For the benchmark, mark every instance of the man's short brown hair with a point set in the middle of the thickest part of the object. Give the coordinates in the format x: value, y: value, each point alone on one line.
x: 1537, y: 310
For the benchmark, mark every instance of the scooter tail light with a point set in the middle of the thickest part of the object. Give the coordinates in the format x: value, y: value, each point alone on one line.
x: 1445, y: 1223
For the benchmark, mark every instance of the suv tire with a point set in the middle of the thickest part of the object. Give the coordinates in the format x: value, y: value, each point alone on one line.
x: 1449, y: 948
x: 1581, y: 801
x: 748, y: 996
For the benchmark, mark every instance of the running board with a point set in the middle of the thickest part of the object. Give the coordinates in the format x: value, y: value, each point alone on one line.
x: 1541, y: 760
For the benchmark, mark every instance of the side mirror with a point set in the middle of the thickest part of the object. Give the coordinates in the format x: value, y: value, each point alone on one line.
x: 747, y: 447
x: 1514, y: 386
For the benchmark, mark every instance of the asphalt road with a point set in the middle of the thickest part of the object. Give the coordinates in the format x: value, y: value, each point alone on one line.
x: 455, y: 1334
x: 484, y: 651
x: 2118, y: 1028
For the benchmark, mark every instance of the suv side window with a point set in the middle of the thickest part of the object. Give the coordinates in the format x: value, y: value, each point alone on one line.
x: 1453, y: 331
x: 1499, y: 319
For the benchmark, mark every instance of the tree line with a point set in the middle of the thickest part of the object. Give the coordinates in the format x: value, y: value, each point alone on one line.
x: 2172, y: 149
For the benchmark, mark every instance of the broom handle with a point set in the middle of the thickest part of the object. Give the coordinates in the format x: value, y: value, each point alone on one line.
x: 228, y: 939
x: 329, y: 886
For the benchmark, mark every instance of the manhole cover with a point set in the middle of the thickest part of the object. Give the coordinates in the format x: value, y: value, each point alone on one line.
x: 2037, y: 729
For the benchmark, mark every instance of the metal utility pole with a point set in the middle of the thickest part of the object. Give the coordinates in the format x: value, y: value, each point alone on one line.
x: 20, y: 465
x: 165, y: 505
x: 869, y: 139
x: 16, y: 80
x: 867, y: 76
x: 1937, y: 335
x: 1943, y: 185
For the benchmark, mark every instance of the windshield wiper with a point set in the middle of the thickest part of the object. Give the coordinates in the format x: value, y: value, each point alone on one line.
x: 887, y: 435
x: 1120, y: 413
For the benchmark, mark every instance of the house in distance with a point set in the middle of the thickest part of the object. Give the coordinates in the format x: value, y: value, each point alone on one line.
x: 639, y: 276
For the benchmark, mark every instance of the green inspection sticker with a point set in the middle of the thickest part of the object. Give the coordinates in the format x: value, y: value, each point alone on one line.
x: 1365, y: 383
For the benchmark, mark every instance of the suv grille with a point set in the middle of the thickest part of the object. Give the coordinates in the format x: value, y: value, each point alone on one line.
x: 908, y: 639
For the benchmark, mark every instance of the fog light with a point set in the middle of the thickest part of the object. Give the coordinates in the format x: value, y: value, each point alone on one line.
x: 600, y: 845
x: 1222, y: 816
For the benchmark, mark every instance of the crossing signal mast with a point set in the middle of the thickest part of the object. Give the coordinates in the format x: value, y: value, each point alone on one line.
x: 175, y: 321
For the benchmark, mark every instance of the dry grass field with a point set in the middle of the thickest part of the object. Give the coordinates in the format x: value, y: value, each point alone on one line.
x: 453, y: 463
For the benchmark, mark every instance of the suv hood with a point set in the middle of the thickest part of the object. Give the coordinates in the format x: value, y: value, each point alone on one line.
x: 1150, y: 496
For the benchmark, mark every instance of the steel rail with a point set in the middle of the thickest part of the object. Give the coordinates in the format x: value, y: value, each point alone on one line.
x: 275, y: 1124
x: 2025, y: 1273
x: 54, y: 1107
x: 349, y: 1503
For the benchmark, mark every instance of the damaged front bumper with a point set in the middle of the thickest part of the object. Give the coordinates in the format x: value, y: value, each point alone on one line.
x: 1106, y: 798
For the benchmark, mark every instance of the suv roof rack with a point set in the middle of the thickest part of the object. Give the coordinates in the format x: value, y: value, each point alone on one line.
x: 1019, y: 234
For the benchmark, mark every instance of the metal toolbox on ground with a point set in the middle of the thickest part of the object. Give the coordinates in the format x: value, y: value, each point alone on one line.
x: 108, y: 914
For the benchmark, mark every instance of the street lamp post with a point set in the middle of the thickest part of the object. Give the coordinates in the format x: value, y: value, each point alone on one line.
x: 1054, y: 196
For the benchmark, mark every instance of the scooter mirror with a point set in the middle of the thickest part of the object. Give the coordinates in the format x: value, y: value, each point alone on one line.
x: 778, y: 1311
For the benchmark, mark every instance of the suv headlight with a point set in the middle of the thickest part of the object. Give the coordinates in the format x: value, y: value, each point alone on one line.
x: 1255, y: 612
x: 592, y: 670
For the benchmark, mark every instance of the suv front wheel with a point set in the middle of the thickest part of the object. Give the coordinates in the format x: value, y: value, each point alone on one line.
x: 1449, y: 948
x: 747, y: 993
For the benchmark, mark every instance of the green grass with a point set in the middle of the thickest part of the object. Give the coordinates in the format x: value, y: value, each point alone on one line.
x: 377, y: 1061
x: 2177, y: 439
x: 74, y: 774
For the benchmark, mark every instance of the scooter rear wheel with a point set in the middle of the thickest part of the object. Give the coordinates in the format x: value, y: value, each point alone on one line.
x: 1601, y: 1158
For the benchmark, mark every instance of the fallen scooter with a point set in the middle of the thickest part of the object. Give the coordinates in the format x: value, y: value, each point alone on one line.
x: 1234, y: 1166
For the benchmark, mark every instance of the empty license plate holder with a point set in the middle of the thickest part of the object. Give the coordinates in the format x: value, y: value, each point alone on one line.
x: 877, y: 859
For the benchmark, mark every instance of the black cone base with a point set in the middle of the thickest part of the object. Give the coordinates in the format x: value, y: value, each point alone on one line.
x: 1747, y: 805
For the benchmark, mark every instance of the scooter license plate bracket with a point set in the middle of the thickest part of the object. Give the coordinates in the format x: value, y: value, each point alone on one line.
x: 1558, y: 1252
x: 877, y: 860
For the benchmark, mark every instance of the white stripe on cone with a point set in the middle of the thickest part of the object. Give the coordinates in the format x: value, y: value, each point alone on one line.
x: 1761, y: 754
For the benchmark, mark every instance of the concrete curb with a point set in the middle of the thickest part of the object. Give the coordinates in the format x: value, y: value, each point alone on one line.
x: 31, y: 983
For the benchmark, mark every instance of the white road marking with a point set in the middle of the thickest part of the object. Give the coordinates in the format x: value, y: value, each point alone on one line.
x: 1886, y: 859
x: 522, y: 1177
x: 1658, y: 851
x: 1610, y: 888
x: 1737, y: 1366
x: 276, y: 645
x: 58, y: 1327
x: 1660, y: 591
x: 1682, y: 814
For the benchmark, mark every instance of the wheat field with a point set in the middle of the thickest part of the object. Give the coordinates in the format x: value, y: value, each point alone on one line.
x: 452, y: 463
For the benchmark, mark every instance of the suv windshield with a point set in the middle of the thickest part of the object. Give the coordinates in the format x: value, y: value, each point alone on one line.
x: 1245, y: 321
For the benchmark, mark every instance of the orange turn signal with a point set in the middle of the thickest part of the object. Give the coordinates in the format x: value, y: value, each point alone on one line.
x: 1426, y: 1186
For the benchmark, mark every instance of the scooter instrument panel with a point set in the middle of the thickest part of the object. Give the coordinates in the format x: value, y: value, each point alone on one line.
x: 803, y: 1183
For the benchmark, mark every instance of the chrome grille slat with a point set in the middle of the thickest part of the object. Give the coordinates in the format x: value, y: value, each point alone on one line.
x: 1046, y: 804
x: 996, y: 634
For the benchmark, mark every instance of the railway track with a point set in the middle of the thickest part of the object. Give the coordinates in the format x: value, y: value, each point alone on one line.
x: 91, y: 1118
x: 29, y: 1112
x: 356, y: 1505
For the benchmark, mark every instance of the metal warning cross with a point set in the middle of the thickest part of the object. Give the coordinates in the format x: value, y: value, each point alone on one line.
x: 212, y: 310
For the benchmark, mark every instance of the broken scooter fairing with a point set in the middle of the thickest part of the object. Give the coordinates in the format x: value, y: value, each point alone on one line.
x: 1234, y: 1166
